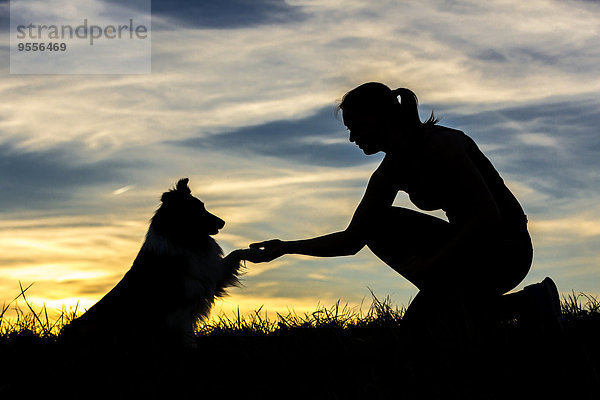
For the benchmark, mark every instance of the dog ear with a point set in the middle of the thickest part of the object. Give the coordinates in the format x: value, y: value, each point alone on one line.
x: 182, y: 186
x: 166, y: 196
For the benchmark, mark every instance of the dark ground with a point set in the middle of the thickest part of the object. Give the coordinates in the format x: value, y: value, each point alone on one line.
x: 369, y: 362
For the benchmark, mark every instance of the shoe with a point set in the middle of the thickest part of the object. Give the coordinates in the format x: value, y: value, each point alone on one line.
x: 544, y: 312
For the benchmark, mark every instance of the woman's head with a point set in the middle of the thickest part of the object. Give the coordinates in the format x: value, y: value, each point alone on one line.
x: 374, y: 113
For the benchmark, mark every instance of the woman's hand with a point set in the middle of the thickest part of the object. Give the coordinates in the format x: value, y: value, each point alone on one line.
x: 268, y: 250
x: 258, y: 252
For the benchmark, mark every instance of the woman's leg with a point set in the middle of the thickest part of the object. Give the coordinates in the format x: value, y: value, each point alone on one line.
x: 403, y: 234
x: 473, y: 284
x: 464, y: 291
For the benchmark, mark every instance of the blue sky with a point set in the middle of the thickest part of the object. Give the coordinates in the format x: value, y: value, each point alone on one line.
x: 241, y: 100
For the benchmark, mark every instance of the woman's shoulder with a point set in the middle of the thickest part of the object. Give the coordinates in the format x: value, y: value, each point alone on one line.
x: 441, y: 139
x: 440, y: 132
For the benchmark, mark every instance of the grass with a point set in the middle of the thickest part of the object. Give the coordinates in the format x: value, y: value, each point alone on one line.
x: 30, y: 322
x: 333, y: 352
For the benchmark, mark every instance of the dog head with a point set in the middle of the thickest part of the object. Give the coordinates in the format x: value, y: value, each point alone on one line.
x: 183, y: 217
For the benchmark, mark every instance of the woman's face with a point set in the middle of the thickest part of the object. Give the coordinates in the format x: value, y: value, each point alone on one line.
x: 367, y: 132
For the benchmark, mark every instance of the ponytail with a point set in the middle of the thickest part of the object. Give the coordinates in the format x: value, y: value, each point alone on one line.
x: 409, y: 105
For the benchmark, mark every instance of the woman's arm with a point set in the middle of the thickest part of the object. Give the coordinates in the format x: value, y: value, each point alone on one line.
x: 343, y: 243
x: 378, y: 195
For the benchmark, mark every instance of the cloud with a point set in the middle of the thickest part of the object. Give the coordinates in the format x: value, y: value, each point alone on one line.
x: 206, y: 82
x: 539, y: 139
x: 224, y: 14
x: 315, y: 140
x: 573, y: 227
x: 38, y: 180
x: 551, y: 146
x: 491, y: 55
x: 4, y: 15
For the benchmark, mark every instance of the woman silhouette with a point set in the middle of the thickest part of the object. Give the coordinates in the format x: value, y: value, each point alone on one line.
x: 484, y: 249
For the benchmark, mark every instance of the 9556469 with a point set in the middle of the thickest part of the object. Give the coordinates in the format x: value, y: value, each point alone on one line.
x: 42, y: 46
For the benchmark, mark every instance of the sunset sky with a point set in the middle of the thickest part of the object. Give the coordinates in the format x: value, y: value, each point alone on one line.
x: 241, y: 100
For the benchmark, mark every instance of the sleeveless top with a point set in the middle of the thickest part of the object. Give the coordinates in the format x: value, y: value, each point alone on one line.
x: 407, y: 177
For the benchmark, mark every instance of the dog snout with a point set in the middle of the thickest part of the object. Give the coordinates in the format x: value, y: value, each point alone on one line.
x: 217, y: 222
